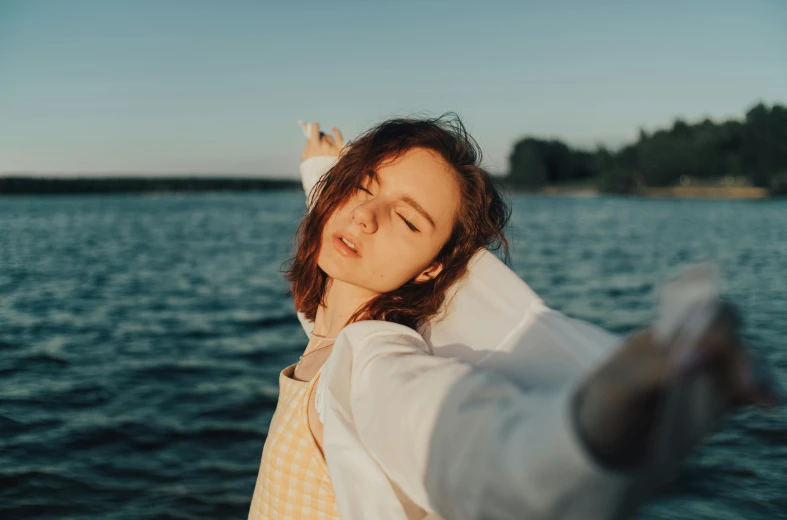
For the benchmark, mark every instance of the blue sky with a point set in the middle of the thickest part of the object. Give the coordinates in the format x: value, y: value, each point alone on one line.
x: 89, y: 87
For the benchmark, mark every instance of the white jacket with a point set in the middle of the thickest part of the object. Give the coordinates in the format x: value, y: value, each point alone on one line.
x: 468, y: 418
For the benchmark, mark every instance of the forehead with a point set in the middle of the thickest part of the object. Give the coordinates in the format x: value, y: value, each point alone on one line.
x: 425, y: 176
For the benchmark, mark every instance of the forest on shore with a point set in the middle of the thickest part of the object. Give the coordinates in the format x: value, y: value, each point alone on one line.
x: 750, y: 152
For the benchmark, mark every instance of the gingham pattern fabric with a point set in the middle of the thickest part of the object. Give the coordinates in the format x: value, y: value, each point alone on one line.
x: 293, y: 481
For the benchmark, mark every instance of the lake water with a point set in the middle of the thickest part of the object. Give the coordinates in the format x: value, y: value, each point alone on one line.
x: 141, y: 338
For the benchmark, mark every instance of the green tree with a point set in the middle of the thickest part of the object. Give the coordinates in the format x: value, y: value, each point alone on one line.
x: 755, y: 147
x: 527, y: 169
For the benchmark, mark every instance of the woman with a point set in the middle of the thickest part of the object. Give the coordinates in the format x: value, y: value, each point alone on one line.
x: 393, y: 227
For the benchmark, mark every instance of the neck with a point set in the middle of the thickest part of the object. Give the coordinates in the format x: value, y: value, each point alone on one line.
x: 341, y: 302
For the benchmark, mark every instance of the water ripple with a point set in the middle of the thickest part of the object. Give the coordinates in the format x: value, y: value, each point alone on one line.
x: 142, y: 339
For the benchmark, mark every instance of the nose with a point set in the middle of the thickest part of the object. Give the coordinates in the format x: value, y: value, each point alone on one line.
x: 364, y: 215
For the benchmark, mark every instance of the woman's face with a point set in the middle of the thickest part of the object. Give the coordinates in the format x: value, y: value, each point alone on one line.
x: 420, y: 188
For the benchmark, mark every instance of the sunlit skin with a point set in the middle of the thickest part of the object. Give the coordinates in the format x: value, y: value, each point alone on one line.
x: 396, y: 243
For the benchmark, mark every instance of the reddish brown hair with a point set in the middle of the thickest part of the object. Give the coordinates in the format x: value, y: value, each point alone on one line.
x: 480, y: 222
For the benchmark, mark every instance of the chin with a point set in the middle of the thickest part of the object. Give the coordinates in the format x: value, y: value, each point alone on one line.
x: 332, y: 266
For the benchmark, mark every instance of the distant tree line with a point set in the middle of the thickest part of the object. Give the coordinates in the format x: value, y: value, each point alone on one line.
x: 753, y: 150
x: 41, y: 185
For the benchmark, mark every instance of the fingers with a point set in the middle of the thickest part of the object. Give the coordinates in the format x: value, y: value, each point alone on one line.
x: 320, y: 143
x: 740, y: 374
x: 315, y: 132
x: 339, y: 137
x: 317, y: 135
x: 714, y: 347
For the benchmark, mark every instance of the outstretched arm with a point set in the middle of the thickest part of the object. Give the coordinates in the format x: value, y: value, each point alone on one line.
x: 319, y: 156
x: 466, y: 442
x: 459, y: 440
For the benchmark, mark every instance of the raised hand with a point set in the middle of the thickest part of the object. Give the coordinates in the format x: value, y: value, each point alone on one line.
x: 321, y: 144
x: 617, y: 407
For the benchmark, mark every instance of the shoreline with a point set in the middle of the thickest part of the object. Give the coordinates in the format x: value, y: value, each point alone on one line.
x: 105, y: 185
x: 19, y: 185
x: 676, y: 192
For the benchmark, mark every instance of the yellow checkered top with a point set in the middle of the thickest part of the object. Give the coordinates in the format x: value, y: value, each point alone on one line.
x: 293, y: 481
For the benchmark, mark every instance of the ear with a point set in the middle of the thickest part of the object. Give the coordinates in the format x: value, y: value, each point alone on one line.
x: 430, y: 272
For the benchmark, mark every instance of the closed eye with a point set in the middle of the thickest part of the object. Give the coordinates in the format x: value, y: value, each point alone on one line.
x: 409, y: 224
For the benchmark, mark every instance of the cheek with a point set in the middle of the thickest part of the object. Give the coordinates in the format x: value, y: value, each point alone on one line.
x: 331, y: 225
x: 397, y: 263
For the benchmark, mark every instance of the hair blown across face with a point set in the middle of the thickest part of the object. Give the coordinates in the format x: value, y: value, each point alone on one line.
x: 482, y: 216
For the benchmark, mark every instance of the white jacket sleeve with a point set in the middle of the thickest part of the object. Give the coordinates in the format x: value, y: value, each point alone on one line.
x: 312, y: 170
x: 466, y: 442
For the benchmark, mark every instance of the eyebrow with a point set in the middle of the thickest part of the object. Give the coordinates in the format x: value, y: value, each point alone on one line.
x: 411, y: 201
x: 417, y: 207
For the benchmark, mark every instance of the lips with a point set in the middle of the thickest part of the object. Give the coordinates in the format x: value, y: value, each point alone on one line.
x: 343, y: 248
